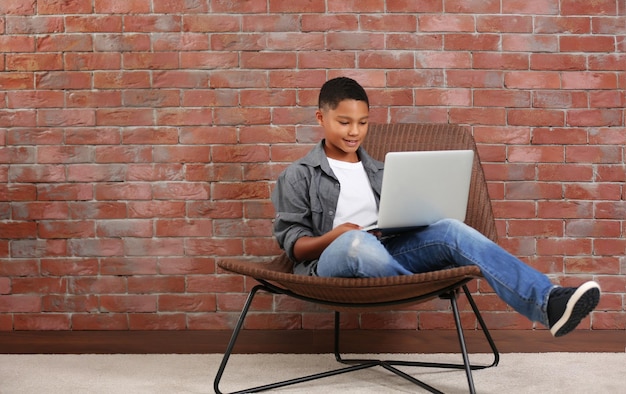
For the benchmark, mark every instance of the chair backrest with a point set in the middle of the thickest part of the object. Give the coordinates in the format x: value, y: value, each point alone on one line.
x: 383, y: 138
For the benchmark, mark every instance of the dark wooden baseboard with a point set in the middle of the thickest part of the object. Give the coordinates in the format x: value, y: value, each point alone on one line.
x: 303, y: 341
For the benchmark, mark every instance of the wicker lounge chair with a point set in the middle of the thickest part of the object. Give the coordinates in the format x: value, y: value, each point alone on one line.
x: 363, y: 294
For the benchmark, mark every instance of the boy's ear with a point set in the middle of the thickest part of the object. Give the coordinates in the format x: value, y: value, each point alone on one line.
x: 319, y: 115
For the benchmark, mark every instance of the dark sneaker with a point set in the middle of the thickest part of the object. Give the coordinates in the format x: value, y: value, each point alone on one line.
x: 567, y: 306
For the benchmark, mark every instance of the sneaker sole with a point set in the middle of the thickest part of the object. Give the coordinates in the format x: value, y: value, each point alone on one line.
x: 583, y: 301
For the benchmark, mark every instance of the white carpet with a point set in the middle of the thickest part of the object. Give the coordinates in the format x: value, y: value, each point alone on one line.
x: 167, y: 374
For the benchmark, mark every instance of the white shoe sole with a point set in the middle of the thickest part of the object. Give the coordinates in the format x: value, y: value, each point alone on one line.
x: 583, y: 301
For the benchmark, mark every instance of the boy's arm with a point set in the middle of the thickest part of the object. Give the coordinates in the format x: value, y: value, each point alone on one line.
x: 310, y: 248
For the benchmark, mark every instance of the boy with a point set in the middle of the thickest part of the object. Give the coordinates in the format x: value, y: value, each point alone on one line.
x: 323, y: 200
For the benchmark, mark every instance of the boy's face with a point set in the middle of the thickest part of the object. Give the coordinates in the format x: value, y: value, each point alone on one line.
x: 345, y: 128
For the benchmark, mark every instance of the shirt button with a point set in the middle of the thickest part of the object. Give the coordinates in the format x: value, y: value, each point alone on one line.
x: 331, y: 213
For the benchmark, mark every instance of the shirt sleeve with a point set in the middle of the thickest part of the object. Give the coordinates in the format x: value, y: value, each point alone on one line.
x: 293, y: 211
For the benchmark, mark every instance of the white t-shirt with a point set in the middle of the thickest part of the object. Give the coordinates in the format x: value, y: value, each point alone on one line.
x: 357, y: 203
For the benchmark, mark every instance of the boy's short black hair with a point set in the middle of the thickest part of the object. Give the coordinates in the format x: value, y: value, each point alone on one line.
x: 338, y: 89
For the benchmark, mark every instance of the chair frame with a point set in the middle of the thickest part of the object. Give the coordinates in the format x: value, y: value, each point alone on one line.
x: 359, y: 294
x: 450, y: 293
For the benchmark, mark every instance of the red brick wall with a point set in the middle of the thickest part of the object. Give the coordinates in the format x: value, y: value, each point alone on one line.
x: 139, y: 140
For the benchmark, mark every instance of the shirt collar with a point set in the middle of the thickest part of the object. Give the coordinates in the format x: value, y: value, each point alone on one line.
x: 317, y: 158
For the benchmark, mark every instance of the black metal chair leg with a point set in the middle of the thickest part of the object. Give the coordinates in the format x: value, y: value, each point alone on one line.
x: 459, y: 331
x: 233, y: 338
x: 483, y: 326
x: 231, y: 344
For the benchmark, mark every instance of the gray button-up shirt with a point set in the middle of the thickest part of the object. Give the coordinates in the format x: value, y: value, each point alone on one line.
x: 305, y: 199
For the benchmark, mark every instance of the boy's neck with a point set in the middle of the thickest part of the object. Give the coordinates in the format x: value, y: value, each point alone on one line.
x: 350, y: 157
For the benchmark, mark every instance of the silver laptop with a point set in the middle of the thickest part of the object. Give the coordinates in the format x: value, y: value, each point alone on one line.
x: 420, y: 188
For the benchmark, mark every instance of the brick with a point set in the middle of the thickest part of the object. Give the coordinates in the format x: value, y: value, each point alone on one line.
x: 565, y: 209
x: 554, y: 61
x: 34, y: 24
x: 93, y: 24
x: 270, y: 23
x: 471, y: 7
x: 559, y: 99
x: 121, y: 7
x: 447, y: 23
x: 208, y: 135
x: 69, y: 266
x: 153, y: 209
x: 559, y: 136
x: 532, y: 80
x: 155, y: 284
x: 124, y: 228
x: 354, y: 41
x: 535, y: 117
x: 152, y: 23
x: 196, y: 60
x: 128, y: 266
x: 592, y: 228
x: 16, y: 80
x: 36, y: 173
x: 181, y: 41
x: 475, y: 78
x: 329, y: 22
x: 211, y: 23
x: 537, y: 228
x: 41, y: 322
x: 549, y: 7
x: 441, y: 60
x: 187, y: 303
x: 500, y: 61
x: 504, y: 24
x: 414, y: 41
x: 97, y: 210
x: 184, y: 228
x: 214, y: 247
x: 387, y: 22
x: 122, y: 154
x: 64, y: 192
x: 39, y: 285
x: 34, y: 62
x: 18, y: 7
x: 14, y: 44
x: 329, y: 59
x: 586, y: 44
x: 215, y: 209
x: 241, y: 116
x: 594, y: 117
x: 96, y: 247
x: 472, y: 42
x: 56, y: 229
x: 212, y: 98
x: 152, y: 247
x: 501, y: 98
x: 125, y: 191
x: 24, y: 267
x: 565, y: 172
x: 150, y: 321
x: 115, y: 42
x: 128, y: 303
x: 589, y: 80
x: 175, y: 6
x: 562, y: 24
x: 593, y: 154
x: 121, y: 79
x: 185, y: 266
x: 592, y: 191
x: 100, y: 321
x: 580, y: 7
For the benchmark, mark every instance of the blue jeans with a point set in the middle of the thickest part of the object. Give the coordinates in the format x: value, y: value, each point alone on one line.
x: 445, y: 244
